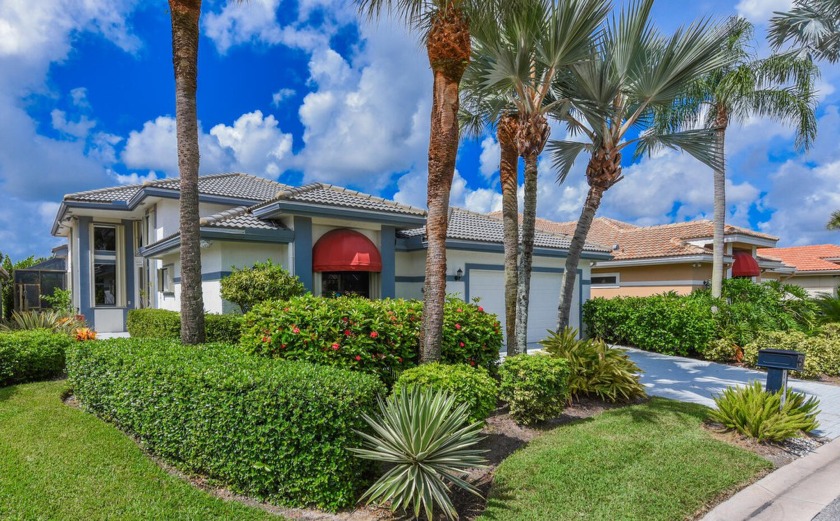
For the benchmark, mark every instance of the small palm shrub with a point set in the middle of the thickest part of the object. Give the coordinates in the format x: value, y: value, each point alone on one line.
x: 470, y: 385
x: 595, y: 368
x: 247, y: 287
x: 756, y: 413
x: 535, y: 387
x: 828, y: 307
x: 424, y: 434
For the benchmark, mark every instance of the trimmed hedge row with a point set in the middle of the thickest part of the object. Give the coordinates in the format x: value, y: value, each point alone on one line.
x: 668, y: 323
x: 27, y: 356
x: 269, y: 429
x: 375, y: 336
x: 822, y: 350
x: 163, y: 324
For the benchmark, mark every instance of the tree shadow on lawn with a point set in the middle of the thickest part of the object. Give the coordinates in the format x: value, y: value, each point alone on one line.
x: 658, y: 410
x: 6, y: 393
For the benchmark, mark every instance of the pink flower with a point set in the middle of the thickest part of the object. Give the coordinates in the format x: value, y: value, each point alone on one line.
x: 481, y: 309
x: 282, y: 346
x: 460, y: 310
x: 374, y: 334
x: 286, y: 310
x: 457, y: 326
x: 266, y: 339
x: 472, y: 363
x: 358, y: 358
x: 399, y: 358
x: 347, y: 332
x: 296, y: 331
x: 336, y: 347
x: 461, y: 344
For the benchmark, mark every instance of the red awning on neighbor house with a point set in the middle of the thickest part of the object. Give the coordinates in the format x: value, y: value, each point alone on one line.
x: 345, y: 250
x: 745, y: 265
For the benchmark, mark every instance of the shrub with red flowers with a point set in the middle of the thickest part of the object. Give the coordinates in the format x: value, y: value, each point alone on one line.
x: 374, y: 336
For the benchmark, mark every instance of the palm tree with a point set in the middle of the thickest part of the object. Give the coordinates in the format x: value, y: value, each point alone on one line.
x: 476, y: 116
x: 813, y: 26
x: 185, y: 15
x: 520, y: 58
x: 632, y: 72
x: 445, y: 25
x: 834, y: 221
x: 779, y: 87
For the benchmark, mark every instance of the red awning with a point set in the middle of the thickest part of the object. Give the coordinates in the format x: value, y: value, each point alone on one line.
x: 745, y: 265
x: 345, y: 250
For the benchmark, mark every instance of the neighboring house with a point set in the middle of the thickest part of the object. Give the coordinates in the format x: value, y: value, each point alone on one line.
x: 817, y: 267
x: 124, y: 242
x: 673, y: 257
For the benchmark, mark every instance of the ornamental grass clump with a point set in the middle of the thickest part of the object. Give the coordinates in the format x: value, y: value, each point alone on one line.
x: 759, y: 414
x: 426, y: 437
x: 595, y: 368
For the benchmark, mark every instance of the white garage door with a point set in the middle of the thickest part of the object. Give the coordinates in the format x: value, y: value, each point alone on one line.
x: 545, y: 292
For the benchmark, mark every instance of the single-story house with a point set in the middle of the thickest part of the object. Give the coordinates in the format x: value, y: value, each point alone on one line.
x: 647, y: 260
x: 817, y: 267
x: 124, y: 247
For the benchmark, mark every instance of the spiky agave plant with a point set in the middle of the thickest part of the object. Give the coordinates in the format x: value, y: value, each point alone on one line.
x: 426, y: 436
x: 53, y: 320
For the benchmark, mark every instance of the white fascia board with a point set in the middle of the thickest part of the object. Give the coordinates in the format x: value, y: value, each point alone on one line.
x: 686, y: 259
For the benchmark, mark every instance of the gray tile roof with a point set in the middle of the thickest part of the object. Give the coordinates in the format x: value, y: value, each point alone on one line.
x: 239, y: 218
x: 240, y: 186
x: 330, y: 195
x: 471, y: 226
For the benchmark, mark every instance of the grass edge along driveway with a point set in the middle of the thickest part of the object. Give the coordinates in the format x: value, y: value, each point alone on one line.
x: 57, y: 462
x: 649, y: 462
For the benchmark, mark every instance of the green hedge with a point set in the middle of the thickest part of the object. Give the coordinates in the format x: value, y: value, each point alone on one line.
x: 376, y: 336
x: 536, y: 387
x: 272, y: 430
x: 822, y: 350
x: 669, y: 323
x: 471, y: 385
x: 163, y: 324
x: 27, y: 356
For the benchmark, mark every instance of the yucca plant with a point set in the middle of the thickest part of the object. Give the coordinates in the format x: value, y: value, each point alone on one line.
x: 596, y: 369
x: 53, y: 320
x: 759, y: 414
x: 427, y: 439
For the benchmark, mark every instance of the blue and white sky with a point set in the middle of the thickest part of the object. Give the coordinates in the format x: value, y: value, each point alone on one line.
x: 305, y: 90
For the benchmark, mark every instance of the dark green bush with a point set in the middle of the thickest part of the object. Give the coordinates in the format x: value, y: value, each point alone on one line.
x: 30, y: 355
x: 595, y: 368
x: 247, y: 287
x: 470, y: 385
x: 756, y: 413
x: 822, y: 350
x: 535, y: 387
x: 163, y: 324
x: 669, y: 323
x: 375, y: 336
x: 270, y: 429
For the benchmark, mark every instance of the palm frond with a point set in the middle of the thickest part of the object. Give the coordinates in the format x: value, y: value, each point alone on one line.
x: 699, y: 143
x: 812, y: 26
x: 834, y: 221
x: 564, y: 154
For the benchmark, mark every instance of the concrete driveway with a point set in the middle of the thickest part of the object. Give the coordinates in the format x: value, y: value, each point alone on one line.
x: 695, y: 381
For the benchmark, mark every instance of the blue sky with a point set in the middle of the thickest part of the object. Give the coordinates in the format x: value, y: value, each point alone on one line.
x: 304, y: 91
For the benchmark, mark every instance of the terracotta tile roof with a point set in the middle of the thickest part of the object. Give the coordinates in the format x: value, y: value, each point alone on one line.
x: 472, y: 226
x: 806, y: 258
x: 644, y: 242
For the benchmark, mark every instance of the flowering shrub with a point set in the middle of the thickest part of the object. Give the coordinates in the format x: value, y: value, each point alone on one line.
x: 271, y: 429
x: 472, y: 386
x: 375, y: 336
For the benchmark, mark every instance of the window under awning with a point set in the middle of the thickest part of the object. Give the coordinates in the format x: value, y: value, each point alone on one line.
x: 345, y: 250
x: 745, y: 265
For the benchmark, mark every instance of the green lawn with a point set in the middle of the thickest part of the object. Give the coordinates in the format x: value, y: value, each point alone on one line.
x: 57, y: 462
x: 648, y: 462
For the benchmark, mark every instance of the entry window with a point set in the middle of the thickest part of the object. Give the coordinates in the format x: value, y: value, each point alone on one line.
x: 105, y: 262
x: 339, y: 283
x: 610, y: 279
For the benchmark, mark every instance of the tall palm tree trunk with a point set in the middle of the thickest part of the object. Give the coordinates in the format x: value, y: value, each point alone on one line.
x: 721, y: 122
x: 448, y: 47
x: 509, y: 173
x: 185, y: 15
x: 526, y: 253
x: 603, y: 171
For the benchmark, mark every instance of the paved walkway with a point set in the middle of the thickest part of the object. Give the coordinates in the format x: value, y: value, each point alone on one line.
x: 799, y: 491
x: 690, y: 380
